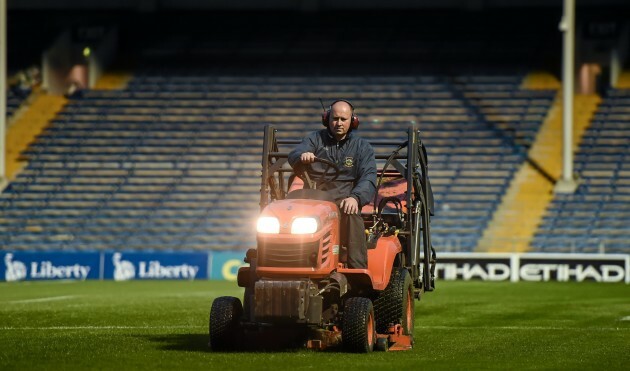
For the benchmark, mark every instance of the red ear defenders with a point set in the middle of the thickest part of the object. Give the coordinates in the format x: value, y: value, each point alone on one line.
x: 354, y: 121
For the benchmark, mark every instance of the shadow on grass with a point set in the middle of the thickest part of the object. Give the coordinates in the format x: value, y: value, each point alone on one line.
x: 180, y: 342
x: 199, y: 343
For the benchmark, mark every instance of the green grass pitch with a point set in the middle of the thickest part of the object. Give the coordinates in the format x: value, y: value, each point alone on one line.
x: 164, y: 325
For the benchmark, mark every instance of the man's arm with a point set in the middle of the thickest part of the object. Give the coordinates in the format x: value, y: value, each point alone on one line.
x: 307, y: 145
x: 365, y: 187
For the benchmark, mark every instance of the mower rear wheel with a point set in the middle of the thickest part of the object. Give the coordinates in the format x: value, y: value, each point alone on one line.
x: 225, y: 313
x: 395, y: 304
x: 358, y: 326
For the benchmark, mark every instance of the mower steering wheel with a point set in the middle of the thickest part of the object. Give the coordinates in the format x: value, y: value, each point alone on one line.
x: 302, y: 173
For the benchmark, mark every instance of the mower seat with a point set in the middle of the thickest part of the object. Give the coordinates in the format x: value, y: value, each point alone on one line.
x: 396, y: 188
x: 392, y: 187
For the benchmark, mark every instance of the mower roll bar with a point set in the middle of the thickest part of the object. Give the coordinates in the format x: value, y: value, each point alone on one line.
x: 415, y: 171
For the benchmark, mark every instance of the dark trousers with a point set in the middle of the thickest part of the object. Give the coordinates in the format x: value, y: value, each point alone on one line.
x: 353, y: 237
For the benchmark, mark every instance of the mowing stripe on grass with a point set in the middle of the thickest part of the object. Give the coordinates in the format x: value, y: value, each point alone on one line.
x: 99, y: 328
x: 208, y: 294
x: 626, y: 318
x: 519, y: 328
x: 588, y: 329
x: 42, y: 300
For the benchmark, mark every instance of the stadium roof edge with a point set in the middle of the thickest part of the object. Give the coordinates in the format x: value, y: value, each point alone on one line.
x: 303, y: 5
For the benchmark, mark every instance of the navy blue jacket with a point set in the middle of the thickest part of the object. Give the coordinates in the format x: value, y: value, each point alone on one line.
x: 353, y: 155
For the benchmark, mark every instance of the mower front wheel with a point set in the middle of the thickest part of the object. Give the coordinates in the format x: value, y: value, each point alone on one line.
x: 358, y: 328
x: 225, y: 313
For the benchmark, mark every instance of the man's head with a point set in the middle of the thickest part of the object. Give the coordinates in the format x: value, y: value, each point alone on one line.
x: 341, y: 119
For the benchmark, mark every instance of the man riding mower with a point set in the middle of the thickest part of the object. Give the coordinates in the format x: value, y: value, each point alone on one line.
x: 298, y: 284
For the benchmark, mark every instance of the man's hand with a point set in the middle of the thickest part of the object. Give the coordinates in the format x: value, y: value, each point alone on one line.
x: 349, y: 205
x: 307, y: 157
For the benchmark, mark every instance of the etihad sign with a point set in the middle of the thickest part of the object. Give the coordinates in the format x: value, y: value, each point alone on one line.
x: 534, y: 267
x: 532, y: 272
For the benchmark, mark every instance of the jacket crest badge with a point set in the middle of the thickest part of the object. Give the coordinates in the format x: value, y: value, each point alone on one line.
x: 348, y: 162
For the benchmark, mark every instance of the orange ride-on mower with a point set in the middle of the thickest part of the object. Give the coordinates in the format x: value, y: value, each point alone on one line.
x: 298, y: 289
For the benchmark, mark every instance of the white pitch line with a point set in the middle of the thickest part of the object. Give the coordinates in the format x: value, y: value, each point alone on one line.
x: 208, y: 294
x: 99, y: 328
x: 418, y: 327
x: 522, y: 328
x: 42, y: 300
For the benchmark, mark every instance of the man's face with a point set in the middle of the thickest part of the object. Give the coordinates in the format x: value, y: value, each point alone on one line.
x: 340, y: 118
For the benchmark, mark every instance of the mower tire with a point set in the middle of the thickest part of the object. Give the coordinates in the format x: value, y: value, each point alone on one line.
x: 395, y: 304
x: 358, y: 326
x: 225, y: 314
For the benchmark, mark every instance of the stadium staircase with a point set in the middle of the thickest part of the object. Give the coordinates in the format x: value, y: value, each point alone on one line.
x: 27, y: 126
x: 624, y: 80
x: 113, y: 80
x: 541, y: 80
x: 595, y: 218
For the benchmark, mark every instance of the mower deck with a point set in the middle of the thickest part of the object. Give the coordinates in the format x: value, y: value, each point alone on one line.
x: 394, y: 340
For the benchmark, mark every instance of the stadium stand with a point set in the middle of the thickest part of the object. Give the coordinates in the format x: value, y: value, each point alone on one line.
x: 595, y: 218
x: 531, y: 189
x: 513, y: 115
x: 173, y: 160
x: 516, y: 113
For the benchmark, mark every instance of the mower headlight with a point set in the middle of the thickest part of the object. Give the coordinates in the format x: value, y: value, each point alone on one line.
x: 304, y: 226
x: 268, y: 224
